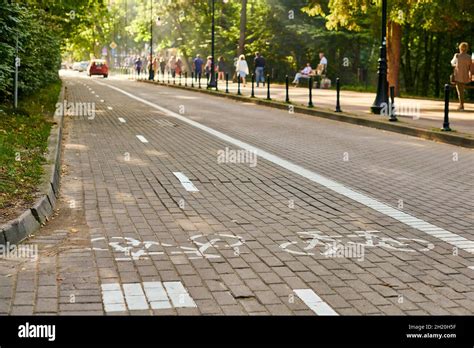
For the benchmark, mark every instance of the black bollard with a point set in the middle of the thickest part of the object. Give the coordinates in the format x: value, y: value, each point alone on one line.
x: 287, y: 86
x: 192, y: 79
x: 393, y: 116
x: 180, y: 75
x: 338, y: 90
x: 185, y: 79
x: 227, y: 82
x: 217, y: 81
x: 174, y: 78
x: 310, y: 87
x: 268, y: 87
x: 169, y: 77
x: 199, y: 80
x: 446, y: 109
x: 238, y: 85
x: 253, y: 86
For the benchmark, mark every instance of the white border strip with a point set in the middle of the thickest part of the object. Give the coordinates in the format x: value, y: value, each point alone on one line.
x: 407, y: 219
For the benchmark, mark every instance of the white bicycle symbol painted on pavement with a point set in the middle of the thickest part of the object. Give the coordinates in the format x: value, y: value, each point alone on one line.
x: 134, y: 249
x: 315, y: 240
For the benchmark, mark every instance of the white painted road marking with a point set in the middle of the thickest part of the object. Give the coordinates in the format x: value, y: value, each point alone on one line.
x: 314, y: 302
x: 178, y: 295
x: 110, y: 108
x: 187, y: 184
x: 113, y: 298
x: 135, y: 296
x: 154, y: 295
x: 142, y: 138
x: 122, y: 120
x: 157, y: 296
x: 471, y: 267
x: 407, y: 219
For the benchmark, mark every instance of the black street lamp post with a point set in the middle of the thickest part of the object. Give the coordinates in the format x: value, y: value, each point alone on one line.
x: 151, y: 72
x: 381, y: 99
x: 212, y: 81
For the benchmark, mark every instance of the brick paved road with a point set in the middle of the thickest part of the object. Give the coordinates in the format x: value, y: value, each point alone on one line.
x: 130, y: 238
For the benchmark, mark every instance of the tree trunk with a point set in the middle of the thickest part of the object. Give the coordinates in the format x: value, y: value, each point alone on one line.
x: 394, y: 43
x: 428, y: 44
x: 437, y: 83
x: 408, y: 71
x: 243, y: 26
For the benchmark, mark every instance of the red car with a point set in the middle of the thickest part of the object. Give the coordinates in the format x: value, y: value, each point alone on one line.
x: 98, y: 67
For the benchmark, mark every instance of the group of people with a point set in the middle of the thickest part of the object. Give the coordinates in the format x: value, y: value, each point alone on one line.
x: 308, y: 71
x: 240, y: 64
x: 175, y: 66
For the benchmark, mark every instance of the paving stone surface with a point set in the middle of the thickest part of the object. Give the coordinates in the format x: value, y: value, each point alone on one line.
x: 236, y: 245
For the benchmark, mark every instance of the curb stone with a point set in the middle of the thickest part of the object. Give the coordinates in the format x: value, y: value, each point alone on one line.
x: 21, y: 228
x: 398, y: 127
x: 16, y: 230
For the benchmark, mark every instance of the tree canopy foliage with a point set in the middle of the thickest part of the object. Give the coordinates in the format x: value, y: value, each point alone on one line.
x: 422, y: 36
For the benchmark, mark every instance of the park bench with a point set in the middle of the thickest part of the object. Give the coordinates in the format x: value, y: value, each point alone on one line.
x: 304, y: 81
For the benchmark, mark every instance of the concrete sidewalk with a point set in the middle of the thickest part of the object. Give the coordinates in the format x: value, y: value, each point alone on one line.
x: 424, y: 113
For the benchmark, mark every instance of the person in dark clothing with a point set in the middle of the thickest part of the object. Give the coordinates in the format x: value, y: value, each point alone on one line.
x: 221, y: 68
x: 138, y: 65
x: 259, y: 69
x: 197, y: 66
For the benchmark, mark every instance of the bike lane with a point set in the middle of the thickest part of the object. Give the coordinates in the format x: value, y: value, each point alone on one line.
x: 160, y: 247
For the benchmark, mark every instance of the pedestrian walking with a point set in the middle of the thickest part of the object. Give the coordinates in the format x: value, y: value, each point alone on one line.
x: 179, y: 66
x: 221, y: 68
x: 197, y: 66
x: 242, y: 69
x: 259, y: 69
x: 162, y: 66
x: 208, y: 67
x: 138, y: 65
x: 172, y: 66
x: 463, y: 72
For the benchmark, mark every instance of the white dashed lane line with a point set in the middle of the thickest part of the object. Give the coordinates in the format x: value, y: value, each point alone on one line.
x: 142, y: 138
x: 407, y: 219
x: 184, y: 180
x: 314, y: 302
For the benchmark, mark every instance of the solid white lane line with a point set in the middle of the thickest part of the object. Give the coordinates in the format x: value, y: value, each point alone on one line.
x: 314, y: 302
x: 187, y: 184
x: 142, y: 138
x: 122, y: 120
x: 380, y: 207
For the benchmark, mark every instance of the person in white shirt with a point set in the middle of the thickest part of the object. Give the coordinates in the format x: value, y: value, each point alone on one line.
x: 323, y: 64
x: 305, y: 73
x: 242, y: 69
